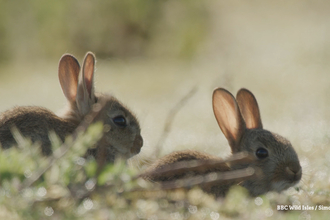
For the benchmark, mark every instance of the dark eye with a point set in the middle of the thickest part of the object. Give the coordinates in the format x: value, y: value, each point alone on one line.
x: 261, y: 153
x: 120, y: 121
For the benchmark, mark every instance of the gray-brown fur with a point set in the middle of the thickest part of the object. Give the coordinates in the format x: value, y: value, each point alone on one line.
x: 124, y: 141
x: 29, y: 120
x: 153, y: 174
x: 121, y: 138
x: 174, y: 157
x: 243, y: 129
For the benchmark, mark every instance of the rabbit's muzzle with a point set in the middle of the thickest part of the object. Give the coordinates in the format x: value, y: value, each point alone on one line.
x: 137, y: 145
x: 293, y: 173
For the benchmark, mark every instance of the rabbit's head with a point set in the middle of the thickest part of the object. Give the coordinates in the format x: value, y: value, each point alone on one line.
x: 241, y: 124
x: 122, y: 134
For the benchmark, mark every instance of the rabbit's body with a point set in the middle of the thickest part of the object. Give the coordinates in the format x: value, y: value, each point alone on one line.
x: 29, y: 120
x: 240, y: 122
x: 174, y: 157
x: 121, y: 138
x: 151, y: 173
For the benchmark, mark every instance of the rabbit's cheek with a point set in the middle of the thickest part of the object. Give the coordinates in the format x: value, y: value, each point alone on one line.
x: 256, y: 187
x: 122, y: 145
x: 118, y: 147
x: 285, y: 182
x: 281, y: 185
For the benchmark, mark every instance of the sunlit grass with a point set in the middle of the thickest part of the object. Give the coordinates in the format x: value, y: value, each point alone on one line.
x: 278, y: 51
x: 151, y: 88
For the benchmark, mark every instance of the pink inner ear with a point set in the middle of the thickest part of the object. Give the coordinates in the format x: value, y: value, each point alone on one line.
x: 249, y: 108
x: 228, y: 117
x: 68, y: 72
x: 89, y: 72
x: 225, y: 114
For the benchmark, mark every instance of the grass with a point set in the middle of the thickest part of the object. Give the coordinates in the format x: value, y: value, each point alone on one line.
x: 294, y: 109
x: 278, y: 51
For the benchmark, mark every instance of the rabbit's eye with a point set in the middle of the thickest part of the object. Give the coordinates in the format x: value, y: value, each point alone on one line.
x: 120, y: 121
x: 261, y: 153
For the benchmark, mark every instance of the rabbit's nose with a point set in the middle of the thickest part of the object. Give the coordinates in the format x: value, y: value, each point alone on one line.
x: 137, y: 145
x: 294, y: 171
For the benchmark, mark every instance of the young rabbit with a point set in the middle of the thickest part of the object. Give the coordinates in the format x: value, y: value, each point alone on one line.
x: 241, y: 124
x: 121, y: 138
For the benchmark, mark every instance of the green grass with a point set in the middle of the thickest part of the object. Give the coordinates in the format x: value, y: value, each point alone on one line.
x: 279, y: 51
x: 294, y: 109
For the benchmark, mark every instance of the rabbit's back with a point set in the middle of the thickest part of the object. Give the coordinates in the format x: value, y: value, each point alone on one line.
x: 179, y: 156
x: 154, y: 173
x: 34, y: 123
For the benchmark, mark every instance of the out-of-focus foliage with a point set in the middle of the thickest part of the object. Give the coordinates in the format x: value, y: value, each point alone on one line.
x: 277, y: 49
x: 115, y: 28
x: 74, y: 188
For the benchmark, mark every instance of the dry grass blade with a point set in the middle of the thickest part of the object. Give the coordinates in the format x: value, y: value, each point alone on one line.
x: 61, y: 151
x: 205, y: 173
x: 211, y: 179
x: 182, y: 167
x: 206, y: 181
x: 169, y: 120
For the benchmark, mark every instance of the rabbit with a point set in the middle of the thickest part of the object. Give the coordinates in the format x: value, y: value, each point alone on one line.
x: 240, y: 122
x: 121, y: 138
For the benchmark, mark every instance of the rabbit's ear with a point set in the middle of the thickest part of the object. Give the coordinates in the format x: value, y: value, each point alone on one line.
x: 68, y: 72
x: 249, y: 108
x: 86, y: 96
x: 229, y: 117
x: 88, y: 73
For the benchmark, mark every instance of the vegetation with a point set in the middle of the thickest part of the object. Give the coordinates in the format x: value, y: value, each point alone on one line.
x: 279, y: 50
x: 68, y: 186
x: 115, y: 28
x: 73, y: 189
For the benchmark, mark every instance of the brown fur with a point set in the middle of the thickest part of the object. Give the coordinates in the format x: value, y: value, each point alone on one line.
x: 29, y: 120
x: 36, y: 122
x: 243, y: 129
x: 188, y: 155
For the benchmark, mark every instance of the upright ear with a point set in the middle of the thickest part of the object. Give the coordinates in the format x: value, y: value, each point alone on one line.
x: 229, y: 117
x: 68, y: 72
x: 86, y: 97
x: 249, y: 108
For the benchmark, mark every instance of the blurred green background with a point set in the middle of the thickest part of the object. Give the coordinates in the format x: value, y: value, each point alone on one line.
x: 151, y: 53
x: 116, y: 28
